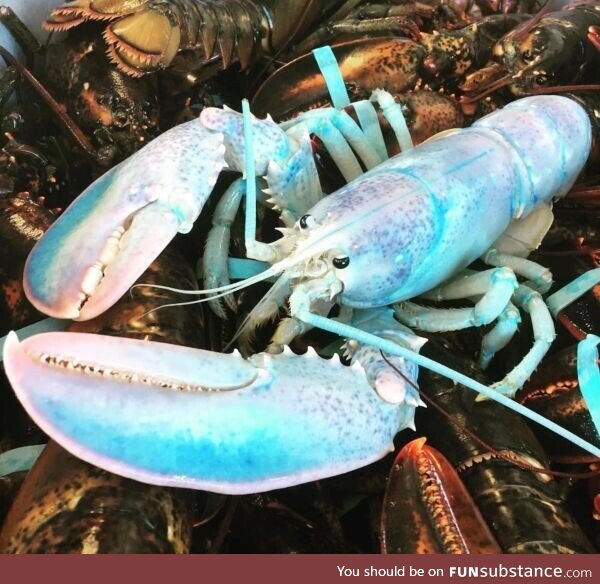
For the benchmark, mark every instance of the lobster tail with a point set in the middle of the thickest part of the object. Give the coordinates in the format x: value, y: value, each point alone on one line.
x: 71, y: 14
x: 231, y: 29
x: 145, y: 35
x: 135, y: 51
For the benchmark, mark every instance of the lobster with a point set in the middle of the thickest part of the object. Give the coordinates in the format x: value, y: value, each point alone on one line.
x: 226, y: 30
x: 110, y: 114
x: 498, y: 458
x: 551, y: 49
x: 321, y: 259
x: 68, y: 506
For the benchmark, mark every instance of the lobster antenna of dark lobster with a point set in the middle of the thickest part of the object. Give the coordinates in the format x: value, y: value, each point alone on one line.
x: 562, y: 88
x: 493, y: 86
x: 503, y: 81
x: 520, y: 31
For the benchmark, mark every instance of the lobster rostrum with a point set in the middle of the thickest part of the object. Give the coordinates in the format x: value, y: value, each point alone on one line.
x: 376, y: 242
x: 145, y: 35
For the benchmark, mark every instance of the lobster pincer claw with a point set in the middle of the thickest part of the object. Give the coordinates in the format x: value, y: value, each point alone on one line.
x: 198, y: 419
x: 110, y: 234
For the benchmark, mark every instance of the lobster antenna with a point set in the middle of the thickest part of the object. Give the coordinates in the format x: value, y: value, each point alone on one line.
x: 493, y: 86
x: 274, y: 270
x: 73, y: 129
x: 235, y: 287
x: 535, y: 469
x: 518, y: 34
x: 565, y: 88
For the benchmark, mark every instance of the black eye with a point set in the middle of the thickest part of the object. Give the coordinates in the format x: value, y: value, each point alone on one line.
x: 540, y: 80
x: 341, y: 262
x: 305, y: 221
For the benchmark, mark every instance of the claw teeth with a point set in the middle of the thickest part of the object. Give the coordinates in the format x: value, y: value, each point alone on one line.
x: 111, y: 249
x: 95, y: 273
x: 92, y: 278
x: 93, y: 369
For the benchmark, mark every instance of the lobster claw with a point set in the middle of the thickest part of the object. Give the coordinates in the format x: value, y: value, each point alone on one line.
x: 90, y: 236
x: 110, y: 234
x: 199, y: 419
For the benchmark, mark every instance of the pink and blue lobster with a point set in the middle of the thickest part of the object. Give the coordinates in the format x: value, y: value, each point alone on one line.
x: 409, y: 227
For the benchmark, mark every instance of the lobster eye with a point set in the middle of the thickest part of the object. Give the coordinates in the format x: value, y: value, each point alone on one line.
x: 306, y: 222
x: 341, y: 262
x: 540, y: 80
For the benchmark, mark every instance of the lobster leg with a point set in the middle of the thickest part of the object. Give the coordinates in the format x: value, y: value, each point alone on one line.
x: 572, y: 291
x: 392, y: 112
x: 539, y: 277
x: 214, y: 260
x: 543, y: 334
x: 340, y: 134
x: 500, y: 284
x: 506, y: 326
x: 495, y: 286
